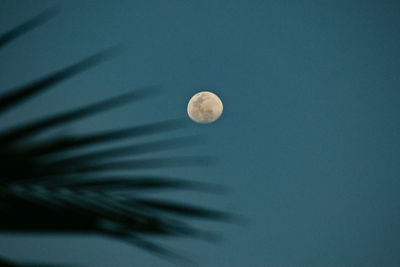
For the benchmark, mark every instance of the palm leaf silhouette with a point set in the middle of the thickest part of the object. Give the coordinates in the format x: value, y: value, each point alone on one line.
x: 45, y: 188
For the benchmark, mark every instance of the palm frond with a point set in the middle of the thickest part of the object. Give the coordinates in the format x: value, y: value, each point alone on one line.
x: 27, y: 26
x: 17, y: 95
x: 44, y: 188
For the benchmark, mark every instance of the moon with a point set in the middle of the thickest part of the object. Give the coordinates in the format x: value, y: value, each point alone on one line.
x: 204, y: 107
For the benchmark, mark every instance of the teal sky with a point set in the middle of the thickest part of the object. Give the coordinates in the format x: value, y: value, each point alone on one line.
x: 309, y: 141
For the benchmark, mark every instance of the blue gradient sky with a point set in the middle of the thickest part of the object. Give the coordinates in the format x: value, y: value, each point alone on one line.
x: 309, y: 140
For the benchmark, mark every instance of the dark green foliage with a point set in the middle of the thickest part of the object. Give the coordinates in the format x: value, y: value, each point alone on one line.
x: 44, y: 188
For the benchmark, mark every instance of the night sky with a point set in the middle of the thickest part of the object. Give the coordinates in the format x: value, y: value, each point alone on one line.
x: 308, y: 144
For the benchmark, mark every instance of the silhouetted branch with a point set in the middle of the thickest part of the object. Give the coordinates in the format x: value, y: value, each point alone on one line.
x: 27, y: 26
x: 46, y: 189
x: 20, y: 94
x: 64, y: 144
x: 30, y: 129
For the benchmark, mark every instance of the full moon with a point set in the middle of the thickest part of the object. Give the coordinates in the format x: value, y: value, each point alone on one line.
x: 204, y: 107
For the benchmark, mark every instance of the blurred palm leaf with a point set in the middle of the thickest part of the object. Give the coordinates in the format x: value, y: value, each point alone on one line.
x: 45, y: 188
